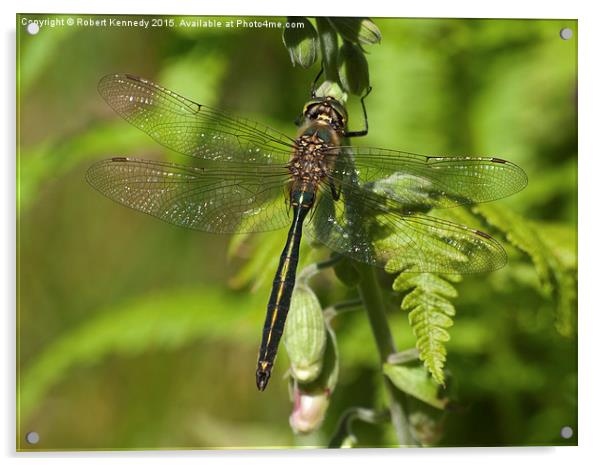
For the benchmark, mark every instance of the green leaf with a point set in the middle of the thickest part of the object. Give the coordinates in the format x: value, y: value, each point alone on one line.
x: 430, y: 313
x: 415, y: 381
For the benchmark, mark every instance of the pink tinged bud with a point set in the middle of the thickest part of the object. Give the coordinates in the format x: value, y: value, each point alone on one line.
x: 308, y: 411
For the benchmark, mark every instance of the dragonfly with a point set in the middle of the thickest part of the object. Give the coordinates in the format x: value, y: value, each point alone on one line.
x: 368, y: 204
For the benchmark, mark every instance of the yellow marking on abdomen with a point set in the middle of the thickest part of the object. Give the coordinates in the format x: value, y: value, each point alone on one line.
x: 275, y: 313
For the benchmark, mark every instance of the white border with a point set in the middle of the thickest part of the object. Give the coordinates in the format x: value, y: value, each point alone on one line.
x: 375, y: 8
x: 590, y: 79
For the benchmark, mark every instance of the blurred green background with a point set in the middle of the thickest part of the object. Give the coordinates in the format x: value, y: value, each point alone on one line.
x: 134, y: 334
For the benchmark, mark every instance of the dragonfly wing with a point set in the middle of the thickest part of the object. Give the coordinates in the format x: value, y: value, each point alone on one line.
x: 235, y: 199
x: 373, y: 229
x: 190, y: 128
x: 422, y: 183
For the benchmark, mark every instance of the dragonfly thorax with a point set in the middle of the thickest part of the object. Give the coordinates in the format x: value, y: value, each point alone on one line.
x: 313, y: 156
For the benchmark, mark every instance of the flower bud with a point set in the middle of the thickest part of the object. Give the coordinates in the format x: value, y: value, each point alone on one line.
x: 308, y: 411
x: 305, y: 334
x: 353, y: 69
x: 311, y: 399
x: 301, y: 42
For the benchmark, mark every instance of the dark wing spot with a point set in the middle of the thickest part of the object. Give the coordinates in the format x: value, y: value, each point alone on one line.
x: 134, y: 78
x: 119, y: 159
x: 483, y: 234
x: 496, y: 160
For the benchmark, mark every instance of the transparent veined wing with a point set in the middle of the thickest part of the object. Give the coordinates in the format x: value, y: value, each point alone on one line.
x: 232, y: 199
x: 422, y: 182
x: 190, y: 128
x: 371, y: 228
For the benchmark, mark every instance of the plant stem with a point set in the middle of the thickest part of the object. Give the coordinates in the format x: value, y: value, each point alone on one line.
x: 373, y: 303
x: 337, y: 309
x: 404, y: 356
x: 344, y: 427
x: 368, y: 286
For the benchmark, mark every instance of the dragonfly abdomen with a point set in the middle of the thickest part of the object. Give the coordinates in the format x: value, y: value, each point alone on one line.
x: 282, y: 288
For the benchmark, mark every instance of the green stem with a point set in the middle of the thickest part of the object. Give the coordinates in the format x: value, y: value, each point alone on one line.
x: 344, y: 427
x: 337, y: 309
x: 373, y: 302
x: 312, y: 269
x: 404, y: 357
x: 368, y: 286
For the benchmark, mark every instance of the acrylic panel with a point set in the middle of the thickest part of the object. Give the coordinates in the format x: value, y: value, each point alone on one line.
x: 303, y: 277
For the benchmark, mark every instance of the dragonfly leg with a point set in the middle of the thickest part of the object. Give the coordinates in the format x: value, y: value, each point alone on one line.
x: 336, y: 193
x: 287, y: 200
x: 315, y: 83
x: 363, y: 132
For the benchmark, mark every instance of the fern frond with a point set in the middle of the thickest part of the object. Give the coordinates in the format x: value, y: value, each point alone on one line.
x: 430, y: 313
x: 555, y: 266
x: 521, y: 234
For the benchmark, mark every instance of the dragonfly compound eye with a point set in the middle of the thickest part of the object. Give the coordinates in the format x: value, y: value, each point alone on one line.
x: 327, y: 109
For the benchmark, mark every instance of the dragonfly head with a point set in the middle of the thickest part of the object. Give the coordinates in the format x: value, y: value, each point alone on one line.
x: 328, y: 110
